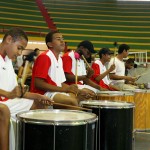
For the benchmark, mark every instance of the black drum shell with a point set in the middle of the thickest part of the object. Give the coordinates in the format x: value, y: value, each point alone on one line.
x: 115, y: 127
x: 37, y: 135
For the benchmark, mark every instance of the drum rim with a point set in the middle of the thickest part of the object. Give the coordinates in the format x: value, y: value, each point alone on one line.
x: 130, y: 105
x: 92, y: 119
x: 136, y: 90
x: 116, y: 93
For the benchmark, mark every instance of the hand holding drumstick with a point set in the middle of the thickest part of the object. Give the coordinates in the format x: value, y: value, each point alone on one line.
x: 77, y: 56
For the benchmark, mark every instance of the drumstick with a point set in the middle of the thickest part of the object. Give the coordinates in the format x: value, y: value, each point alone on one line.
x: 76, y: 73
x: 140, y: 75
x: 70, y: 106
x: 114, y: 55
x: 85, y: 61
x: 115, y: 44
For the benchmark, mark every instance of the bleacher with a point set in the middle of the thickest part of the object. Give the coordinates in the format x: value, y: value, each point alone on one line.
x: 24, y: 14
x: 102, y: 22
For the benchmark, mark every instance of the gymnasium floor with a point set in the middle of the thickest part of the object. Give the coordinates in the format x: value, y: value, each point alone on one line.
x: 141, y: 141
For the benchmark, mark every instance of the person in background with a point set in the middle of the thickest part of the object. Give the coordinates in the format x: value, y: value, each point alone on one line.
x: 100, y: 75
x: 31, y: 57
x: 28, y: 66
x: 118, y: 76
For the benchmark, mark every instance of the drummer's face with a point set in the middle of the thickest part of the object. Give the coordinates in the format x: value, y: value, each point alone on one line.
x: 129, y: 66
x: 86, y: 53
x: 125, y: 53
x: 107, y: 57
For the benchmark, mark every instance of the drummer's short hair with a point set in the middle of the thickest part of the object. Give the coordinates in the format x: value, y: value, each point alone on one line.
x: 16, y: 34
x: 123, y: 47
x: 49, y: 36
x: 130, y: 61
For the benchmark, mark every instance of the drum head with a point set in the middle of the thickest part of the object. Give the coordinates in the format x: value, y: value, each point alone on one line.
x: 115, y: 93
x: 57, y: 116
x: 106, y: 104
x: 136, y: 90
x: 128, y: 93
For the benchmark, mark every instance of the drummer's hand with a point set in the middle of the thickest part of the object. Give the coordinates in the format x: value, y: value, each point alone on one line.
x: 16, y: 92
x: 112, y: 67
x: 72, y: 89
x: 86, y: 94
x: 44, y: 99
x: 38, y: 98
x: 133, y: 79
x: 90, y: 72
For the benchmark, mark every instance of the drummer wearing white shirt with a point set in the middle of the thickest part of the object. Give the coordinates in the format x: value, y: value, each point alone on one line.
x: 12, y: 95
x: 117, y: 76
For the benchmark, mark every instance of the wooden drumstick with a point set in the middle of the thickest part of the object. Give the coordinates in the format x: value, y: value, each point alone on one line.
x: 70, y: 106
x: 85, y: 61
x: 114, y: 55
x: 115, y: 44
x: 77, y: 57
x: 76, y: 72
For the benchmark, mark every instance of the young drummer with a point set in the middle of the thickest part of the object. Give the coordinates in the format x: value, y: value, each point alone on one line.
x: 118, y: 76
x: 48, y: 76
x: 11, y: 94
x: 85, y: 48
x: 100, y: 76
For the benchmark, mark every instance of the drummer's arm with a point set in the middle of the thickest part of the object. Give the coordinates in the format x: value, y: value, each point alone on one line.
x: 43, y: 85
x: 101, y: 76
x: 16, y: 92
x: 113, y: 76
x: 71, y: 77
x: 114, y: 87
x: 92, y: 84
x: 3, y: 93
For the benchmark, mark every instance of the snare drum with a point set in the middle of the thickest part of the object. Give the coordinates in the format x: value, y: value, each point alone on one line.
x: 116, y: 95
x: 115, y: 124
x: 56, y: 130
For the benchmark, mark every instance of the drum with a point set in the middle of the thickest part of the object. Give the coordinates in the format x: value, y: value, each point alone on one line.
x: 115, y: 124
x: 142, y: 105
x: 56, y: 130
x: 115, y: 95
x: 147, y: 101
